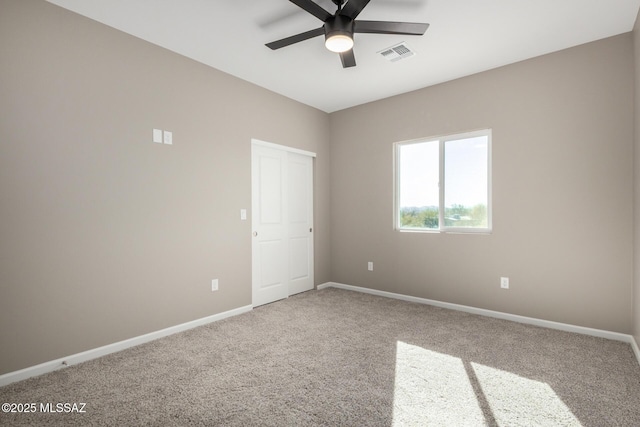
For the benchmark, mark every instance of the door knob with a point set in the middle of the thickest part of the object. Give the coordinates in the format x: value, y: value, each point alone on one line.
x: 255, y: 234
x: 310, y: 230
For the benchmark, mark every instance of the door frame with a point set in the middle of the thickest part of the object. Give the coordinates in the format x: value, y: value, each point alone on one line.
x: 282, y: 147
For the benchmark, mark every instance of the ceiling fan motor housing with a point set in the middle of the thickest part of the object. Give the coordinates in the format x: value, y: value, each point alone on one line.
x: 338, y: 25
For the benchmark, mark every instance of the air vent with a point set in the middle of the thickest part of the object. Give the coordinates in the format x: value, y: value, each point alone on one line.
x: 397, y: 52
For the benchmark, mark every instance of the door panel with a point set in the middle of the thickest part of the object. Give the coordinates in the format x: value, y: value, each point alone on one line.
x: 299, y: 258
x: 271, y: 265
x: 298, y: 192
x: 269, y: 247
x: 271, y: 200
x: 300, y: 210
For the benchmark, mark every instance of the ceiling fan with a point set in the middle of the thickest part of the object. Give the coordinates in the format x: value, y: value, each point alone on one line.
x: 339, y: 28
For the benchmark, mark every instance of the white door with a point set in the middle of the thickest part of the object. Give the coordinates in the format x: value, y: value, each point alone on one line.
x: 300, y: 209
x: 282, y: 206
x: 269, y: 247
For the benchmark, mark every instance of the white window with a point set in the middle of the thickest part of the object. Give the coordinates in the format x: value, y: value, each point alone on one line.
x: 444, y: 184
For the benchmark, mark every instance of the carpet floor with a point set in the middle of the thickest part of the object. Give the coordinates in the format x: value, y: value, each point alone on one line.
x: 341, y: 358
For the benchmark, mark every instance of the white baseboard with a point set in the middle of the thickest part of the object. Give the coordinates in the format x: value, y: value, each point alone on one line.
x: 74, y: 359
x: 634, y: 346
x: 496, y: 314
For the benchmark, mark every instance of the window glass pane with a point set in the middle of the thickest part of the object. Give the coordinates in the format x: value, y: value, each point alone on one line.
x: 418, y: 190
x: 466, y: 182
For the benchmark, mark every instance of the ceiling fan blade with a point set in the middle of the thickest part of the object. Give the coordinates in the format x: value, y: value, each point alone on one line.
x: 348, y: 59
x: 353, y: 8
x: 387, y: 27
x: 295, y: 39
x: 313, y: 9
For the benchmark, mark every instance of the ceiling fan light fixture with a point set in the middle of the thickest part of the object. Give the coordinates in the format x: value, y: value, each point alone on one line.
x: 338, y: 34
x: 338, y: 43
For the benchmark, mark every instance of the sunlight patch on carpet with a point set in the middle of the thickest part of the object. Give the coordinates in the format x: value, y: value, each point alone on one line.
x: 432, y: 388
x: 518, y: 401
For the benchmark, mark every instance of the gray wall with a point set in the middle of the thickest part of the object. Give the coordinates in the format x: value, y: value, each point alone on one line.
x: 562, y: 190
x: 105, y: 235
x: 636, y: 256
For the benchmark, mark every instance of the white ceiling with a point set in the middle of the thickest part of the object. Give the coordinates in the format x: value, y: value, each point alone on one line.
x: 464, y: 37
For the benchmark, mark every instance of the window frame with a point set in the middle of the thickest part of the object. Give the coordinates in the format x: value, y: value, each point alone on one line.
x: 442, y: 139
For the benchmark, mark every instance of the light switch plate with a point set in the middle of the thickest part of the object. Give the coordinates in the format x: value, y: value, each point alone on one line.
x: 168, y: 137
x: 157, y: 136
x: 243, y: 214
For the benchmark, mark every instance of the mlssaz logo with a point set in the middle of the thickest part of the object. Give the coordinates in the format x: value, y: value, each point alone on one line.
x: 63, y: 407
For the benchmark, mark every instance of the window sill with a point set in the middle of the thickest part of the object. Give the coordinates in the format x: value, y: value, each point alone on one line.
x: 483, y: 231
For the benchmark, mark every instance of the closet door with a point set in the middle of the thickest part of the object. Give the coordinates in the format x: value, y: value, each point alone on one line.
x: 282, y: 221
x: 300, y: 224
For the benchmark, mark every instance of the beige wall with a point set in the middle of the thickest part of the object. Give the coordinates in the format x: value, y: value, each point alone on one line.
x: 636, y: 256
x: 105, y: 235
x: 562, y: 190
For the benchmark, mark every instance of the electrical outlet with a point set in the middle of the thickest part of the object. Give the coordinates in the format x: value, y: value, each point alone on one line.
x: 370, y: 266
x: 214, y: 285
x: 504, y: 282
